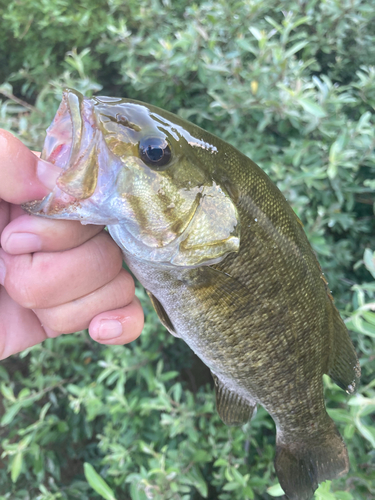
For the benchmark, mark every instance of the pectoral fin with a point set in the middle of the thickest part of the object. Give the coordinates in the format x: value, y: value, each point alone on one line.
x: 163, y: 316
x: 232, y: 408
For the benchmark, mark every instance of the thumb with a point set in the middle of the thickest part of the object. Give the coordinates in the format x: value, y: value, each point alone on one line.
x: 23, y: 176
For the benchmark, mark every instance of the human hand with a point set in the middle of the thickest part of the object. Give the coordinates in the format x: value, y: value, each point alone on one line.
x: 57, y: 276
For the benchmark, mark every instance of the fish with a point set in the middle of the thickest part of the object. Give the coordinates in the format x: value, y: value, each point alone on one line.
x: 224, y: 260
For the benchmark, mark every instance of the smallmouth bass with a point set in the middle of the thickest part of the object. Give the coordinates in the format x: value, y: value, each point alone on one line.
x: 224, y: 260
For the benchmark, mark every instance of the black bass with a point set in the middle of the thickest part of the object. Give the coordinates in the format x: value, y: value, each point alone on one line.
x: 224, y: 260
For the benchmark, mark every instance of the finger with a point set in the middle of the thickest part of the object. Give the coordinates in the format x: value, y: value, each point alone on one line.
x: 4, y: 215
x: 42, y: 280
x: 76, y: 315
x: 15, y: 211
x: 23, y: 177
x: 28, y: 234
x: 19, y: 327
x: 119, y: 326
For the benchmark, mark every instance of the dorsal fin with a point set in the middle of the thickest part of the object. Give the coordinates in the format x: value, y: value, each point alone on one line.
x: 343, y: 366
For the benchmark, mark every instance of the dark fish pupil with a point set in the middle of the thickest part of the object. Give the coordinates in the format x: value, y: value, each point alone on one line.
x: 154, y: 154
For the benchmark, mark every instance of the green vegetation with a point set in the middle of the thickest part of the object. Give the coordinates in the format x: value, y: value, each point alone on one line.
x: 294, y: 90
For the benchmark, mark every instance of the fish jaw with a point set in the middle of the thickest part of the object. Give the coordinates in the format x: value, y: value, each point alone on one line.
x: 88, y: 169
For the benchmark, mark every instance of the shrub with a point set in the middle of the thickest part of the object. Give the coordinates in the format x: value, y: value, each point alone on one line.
x: 294, y: 90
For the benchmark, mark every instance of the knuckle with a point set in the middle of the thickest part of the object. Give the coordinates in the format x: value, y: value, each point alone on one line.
x: 76, y: 234
x: 126, y: 286
x: 119, y: 292
x: 140, y: 321
x: 106, y: 251
x: 21, y: 286
x: 54, y: 320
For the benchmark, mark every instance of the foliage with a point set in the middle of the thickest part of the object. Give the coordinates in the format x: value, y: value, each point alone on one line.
x: 294, y: 90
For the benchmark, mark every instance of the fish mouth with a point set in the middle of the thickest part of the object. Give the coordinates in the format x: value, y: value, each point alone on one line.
x: 70, y: 145
x: 64, y: 134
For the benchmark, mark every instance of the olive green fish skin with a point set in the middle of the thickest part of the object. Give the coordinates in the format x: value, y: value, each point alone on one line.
x: 254, y: 307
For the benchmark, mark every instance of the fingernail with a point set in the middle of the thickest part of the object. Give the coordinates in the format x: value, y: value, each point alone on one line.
x: 3, y: 270
x: 47, y: 173
x: 23, y: 243
x: 109, y: 329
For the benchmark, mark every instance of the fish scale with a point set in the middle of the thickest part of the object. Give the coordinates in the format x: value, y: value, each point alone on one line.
x: 225, y: 262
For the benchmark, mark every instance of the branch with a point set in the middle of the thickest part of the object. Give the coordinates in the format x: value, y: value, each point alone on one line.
x: 20, y: 101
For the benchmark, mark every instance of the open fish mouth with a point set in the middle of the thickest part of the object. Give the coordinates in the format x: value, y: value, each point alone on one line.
x: 67, y: 124
x: 70, y: 145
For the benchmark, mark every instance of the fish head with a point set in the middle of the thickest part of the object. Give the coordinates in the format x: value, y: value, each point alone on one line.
x: 146, y: 174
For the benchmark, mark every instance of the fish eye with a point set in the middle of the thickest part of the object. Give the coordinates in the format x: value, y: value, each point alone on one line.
x: 155, y: 152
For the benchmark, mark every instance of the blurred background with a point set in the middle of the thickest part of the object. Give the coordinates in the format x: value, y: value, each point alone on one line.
x: 290, y: 84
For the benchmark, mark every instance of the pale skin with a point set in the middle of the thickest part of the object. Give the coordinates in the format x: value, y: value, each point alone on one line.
x: 56, y: 277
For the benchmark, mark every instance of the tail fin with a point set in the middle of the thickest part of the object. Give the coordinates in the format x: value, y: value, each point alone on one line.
x: 301, y: 466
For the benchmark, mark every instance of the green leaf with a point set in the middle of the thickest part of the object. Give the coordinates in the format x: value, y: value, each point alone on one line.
x: 312, y: 108
x: 44, y: 411
x: 256, y: 32
x: 334, y: 155
x: 275, y: 490
x: 359, y: 400
x: 136, y: 493
x: 369, y: 260
x: 369, y: 317
x: 248, y: 493
x: 357, y: 324
x: 10, y: 414
x: 298, y: 46
x: 7, y: 392
x: 343, y: 495
x: 231, y: 486
x: 16, y: 467
x: 366, y: 431
x: 97, y: 483
x: 340, y: 415
x: 220, y: 462
x: 323, y: 492
x: 238, y: 477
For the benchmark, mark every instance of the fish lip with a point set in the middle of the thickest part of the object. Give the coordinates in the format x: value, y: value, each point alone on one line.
x: 73, y: 136
x: 74, y: 100
x: 61, y: 147
x: 64, y: 135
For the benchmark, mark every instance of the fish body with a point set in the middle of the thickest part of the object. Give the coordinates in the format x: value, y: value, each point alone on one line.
x: 225, y: 261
